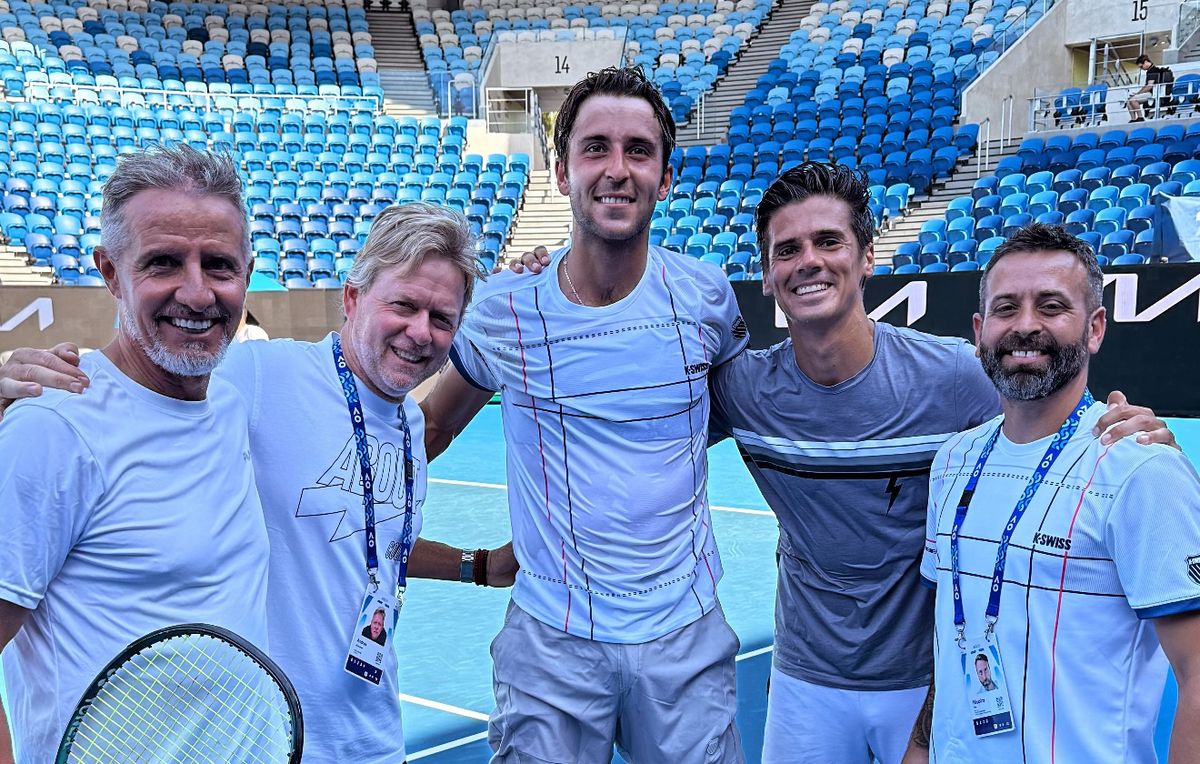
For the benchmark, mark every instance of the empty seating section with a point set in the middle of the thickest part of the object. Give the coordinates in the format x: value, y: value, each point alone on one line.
x: 874, y: 84
x: 1101, y: 186
x: 710, y: 212
x: 877, y: 84
x: 685, y: 46
x: 286, y: 47
x: 317, y: 173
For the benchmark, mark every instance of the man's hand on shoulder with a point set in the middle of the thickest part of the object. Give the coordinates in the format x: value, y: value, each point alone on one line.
x: 28, y: 370
x: 1125, y: 419
x: 530, y: 261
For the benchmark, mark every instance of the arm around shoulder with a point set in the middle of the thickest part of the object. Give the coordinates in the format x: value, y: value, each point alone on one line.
x: 1180, y: 638
x: 448, y: 408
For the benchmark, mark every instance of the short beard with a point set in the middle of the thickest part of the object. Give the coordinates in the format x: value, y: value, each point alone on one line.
x: 1066, y: 362
x: 197, y: 362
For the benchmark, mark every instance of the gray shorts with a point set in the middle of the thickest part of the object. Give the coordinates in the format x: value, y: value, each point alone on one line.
x: 562, y: 699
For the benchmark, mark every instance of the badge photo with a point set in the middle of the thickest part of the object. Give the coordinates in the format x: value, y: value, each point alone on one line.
x: 987, y: 689
x: 371, y: 636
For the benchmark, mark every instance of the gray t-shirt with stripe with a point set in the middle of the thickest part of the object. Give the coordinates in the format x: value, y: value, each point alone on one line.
x: 846, y: 470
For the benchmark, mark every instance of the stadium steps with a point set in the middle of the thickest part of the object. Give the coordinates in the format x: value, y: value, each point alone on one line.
x: 932, y: 206
x: 16, y: 271
x: 544, y: 217
x: 401, y: 70
x: 743, y: 73
x: 1191, y: 52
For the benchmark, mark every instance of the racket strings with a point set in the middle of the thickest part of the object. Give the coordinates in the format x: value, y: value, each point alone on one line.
x: 186, y: 700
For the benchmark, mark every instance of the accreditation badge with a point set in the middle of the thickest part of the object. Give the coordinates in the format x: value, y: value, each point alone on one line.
x: 371, y: 638
x: 987, y: 689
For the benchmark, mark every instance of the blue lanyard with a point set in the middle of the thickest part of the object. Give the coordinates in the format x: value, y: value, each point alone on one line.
x: 1061, y: 438
x: 350, y: 390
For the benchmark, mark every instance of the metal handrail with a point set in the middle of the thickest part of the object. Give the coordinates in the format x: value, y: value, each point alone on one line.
x: 1019, y: 25
x: 538, y: 127
x: 984, y: 156
x: 1006, y: 120
x: 1042, y: 105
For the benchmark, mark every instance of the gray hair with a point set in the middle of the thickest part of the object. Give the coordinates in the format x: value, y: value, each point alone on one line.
x: 404, y: 235
x: 173, y: 168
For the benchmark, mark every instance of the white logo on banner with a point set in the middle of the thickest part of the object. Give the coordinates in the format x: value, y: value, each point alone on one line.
x: 42, y: 306
x: 1125, y: 298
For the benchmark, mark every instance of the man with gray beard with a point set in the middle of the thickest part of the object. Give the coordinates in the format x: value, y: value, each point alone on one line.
x: 1094, y: 546
x: 133, y: 506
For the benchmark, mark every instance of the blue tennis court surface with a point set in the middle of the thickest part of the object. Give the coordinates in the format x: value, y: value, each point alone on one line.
x: 445, y: 671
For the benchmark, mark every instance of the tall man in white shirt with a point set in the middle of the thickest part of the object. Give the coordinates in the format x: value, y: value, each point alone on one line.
x: 615, y: 633
x: 133, y: 506
x: 1094, y: 547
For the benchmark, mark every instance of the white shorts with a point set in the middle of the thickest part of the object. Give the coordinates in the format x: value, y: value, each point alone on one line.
x: 811, y: 724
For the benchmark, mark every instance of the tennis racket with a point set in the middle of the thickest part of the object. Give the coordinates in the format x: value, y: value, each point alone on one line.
x: 188, y: 693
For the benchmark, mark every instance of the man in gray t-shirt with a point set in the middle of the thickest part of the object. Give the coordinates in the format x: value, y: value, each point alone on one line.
x: 838, y: 425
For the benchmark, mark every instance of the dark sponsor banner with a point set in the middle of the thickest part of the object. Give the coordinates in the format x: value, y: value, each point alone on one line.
x: 1151, y: 349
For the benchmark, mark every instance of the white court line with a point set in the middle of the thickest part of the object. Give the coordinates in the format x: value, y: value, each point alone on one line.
x: 755, y: 653
x: 470, y: 483
x: 448, y: 746
x: 503, y: 487
x: 443, y: 707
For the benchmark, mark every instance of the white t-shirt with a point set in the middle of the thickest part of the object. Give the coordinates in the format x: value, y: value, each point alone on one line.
x: 605, y: 422
x: 1111, y: 539
x: 122, y: 511
x: 307, y: 467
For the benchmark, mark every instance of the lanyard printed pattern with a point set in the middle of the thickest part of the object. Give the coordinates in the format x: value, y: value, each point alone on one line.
x: 1061, y: 438
x: 350, y: 390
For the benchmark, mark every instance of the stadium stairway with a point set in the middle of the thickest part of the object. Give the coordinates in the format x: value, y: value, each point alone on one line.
x: 15, y: 270
x: 544, y: 218
x: 743, y: 74
x: 402, y: 72
x: 933, y: 205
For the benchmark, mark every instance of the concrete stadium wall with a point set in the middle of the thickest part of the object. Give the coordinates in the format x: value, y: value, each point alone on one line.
x: 1087, y: 19
x: 45, y: 316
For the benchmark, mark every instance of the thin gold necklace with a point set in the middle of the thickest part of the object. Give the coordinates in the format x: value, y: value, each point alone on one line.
x: 574, y: 291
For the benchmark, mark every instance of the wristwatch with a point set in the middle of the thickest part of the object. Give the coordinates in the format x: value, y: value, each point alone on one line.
x: 466, y: 568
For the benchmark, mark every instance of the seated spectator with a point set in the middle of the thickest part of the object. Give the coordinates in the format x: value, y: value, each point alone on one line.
x: 1155, y: 75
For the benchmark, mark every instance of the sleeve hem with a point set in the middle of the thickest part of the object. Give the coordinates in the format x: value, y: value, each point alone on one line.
x: 928, y: 583
x: 1169, y: 608
x: 19, y: 597
x: 461, y: 368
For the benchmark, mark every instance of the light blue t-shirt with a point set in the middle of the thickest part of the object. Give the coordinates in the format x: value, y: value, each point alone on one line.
x: 122, y: 511
x: 605, y: 427
x: 1110, y: 540
x: 307, y: 467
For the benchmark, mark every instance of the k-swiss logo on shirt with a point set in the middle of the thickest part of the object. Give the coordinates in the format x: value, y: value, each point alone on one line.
x: 739, y: 330
x: 1193, y: 568
x: 1053, y: 542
